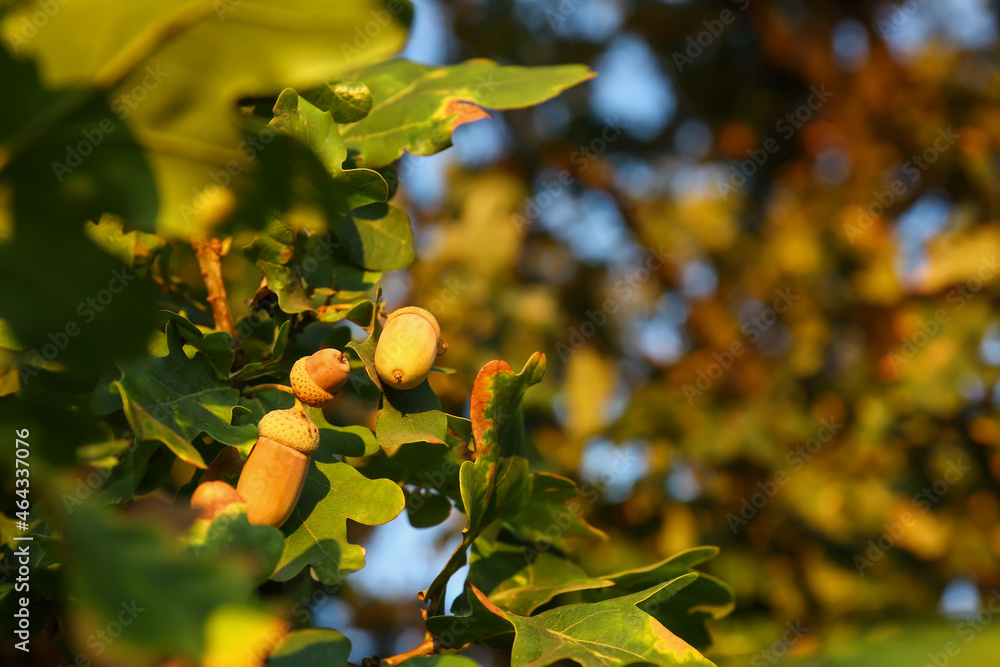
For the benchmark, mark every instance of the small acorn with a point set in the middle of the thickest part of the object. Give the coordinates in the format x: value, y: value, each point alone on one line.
x: 407, y: 348
x: 316, y: 379
x: 275, y: 472
x: 212, y: 497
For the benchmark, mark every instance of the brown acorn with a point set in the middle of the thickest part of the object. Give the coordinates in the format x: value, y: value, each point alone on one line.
x: 212, y: 497
x: 275, y: 472
x: 316, y: 379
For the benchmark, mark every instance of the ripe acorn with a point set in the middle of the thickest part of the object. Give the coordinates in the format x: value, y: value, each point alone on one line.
x: 275, y: 472
x: 406, y: 350
x: 316, y: 379
x: 212, y: 497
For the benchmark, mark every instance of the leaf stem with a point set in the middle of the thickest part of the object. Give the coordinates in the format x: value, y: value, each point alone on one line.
x: 425, y: 648
x: 434, y: 595
x: 247, y: 391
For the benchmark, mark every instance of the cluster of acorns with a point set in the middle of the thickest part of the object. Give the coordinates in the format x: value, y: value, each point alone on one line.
x: 272, y: 478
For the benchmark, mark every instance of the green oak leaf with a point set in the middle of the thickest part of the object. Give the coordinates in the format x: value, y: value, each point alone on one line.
x: 484, y: 622
x: 273, y: 362
x: 552, y: 515
x: 610, y: 632
x: 174, y: 399
x: 229, y: 532
x: 135, y: 249
x: 416, y: 107
x: 410, y: 415
x: 685, y: 612
x: 426, y: 509
x: 159, y: 66
x: 312, y: 126
x: 316, y: 129
x: 343, y: 440
x: 366, y: 349
x: 216, y: 345
x: 316, y: 533
x: 347, y: 101
x: 305, y: 270
x: 496, y: 484
x: 273, y: 252
x: 519, y: 579
x: 377, y: 237
x: 312, y: 647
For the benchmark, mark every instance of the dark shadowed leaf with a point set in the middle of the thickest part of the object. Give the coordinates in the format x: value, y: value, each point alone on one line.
x: 173, y: 399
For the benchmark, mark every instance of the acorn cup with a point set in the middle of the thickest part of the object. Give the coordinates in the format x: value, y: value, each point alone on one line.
x: 316, y: 379
x: 275, y: 472
x: 409, y: 344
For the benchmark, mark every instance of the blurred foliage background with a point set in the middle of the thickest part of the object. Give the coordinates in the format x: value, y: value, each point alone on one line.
x: 759, y: 250
x: 842, y: 154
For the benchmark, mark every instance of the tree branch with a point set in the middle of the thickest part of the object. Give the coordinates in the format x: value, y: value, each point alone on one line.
x: 209, y: 252
x: 426, y: 648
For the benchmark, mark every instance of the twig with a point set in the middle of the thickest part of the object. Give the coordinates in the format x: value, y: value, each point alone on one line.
x: 261, y: 387
x: 426, y: 648
x: 209, y: 252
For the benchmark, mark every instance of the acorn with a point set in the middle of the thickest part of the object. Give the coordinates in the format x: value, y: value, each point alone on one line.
x: 316, y: 379
x: 212, y: 497
x: 407, y: 348
x: 275, y: 471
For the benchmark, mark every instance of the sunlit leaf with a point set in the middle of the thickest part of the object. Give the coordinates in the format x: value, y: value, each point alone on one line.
x: 415, y: 107
x: 317, y: 530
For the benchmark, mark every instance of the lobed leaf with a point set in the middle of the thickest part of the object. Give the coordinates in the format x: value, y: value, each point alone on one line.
x: 610, y: 632
x: 174, y: 399
x: 316, y: 533
x: 416, y: 107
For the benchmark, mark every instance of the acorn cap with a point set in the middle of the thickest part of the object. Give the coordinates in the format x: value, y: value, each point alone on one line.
x: 414, y: 310
x: 292, y: 428
x: 316, y: 379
